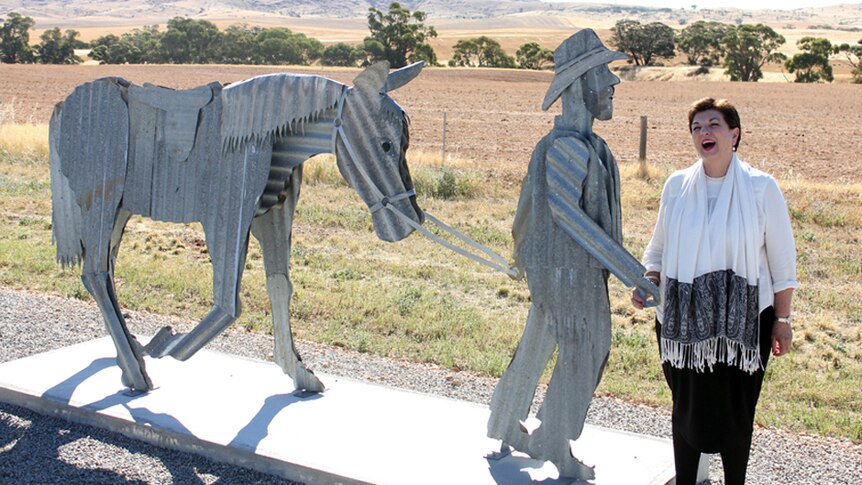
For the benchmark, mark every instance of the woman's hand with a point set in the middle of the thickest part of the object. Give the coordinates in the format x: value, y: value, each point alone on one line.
x: 646, y: 293
x: 782, y: 336
x: 637, y: 301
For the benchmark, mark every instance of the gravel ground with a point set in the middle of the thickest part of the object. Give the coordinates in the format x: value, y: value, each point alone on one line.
x: 38, y: 449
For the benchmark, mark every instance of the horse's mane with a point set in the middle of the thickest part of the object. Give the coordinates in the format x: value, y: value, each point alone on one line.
x: 273, y: 104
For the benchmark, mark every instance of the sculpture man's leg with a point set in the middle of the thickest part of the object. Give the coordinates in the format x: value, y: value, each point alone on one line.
x: 583, y: 350
x: 514, y: 393
x: 273, y: 230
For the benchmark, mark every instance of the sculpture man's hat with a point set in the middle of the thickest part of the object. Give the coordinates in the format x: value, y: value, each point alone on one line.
x: 575, y: 56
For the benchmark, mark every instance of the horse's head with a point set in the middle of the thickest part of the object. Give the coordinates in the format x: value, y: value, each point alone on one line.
x: 371, y: 149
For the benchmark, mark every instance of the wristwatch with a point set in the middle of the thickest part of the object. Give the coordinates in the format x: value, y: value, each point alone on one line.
x: 786, y: 319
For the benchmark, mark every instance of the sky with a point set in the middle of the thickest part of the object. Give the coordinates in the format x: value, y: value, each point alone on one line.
x: 741, y: 4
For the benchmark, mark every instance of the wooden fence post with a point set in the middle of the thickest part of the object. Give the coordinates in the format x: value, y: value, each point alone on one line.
x: 443, y: 154
x: 642, y: 169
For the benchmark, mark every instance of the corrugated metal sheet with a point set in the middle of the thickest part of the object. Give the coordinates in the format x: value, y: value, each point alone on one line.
x: 166, y: 162
x: 280, y: 101
x: 291, y: 150
x: 93, y: 139
x: 566, y: 172
x: 66, y: 216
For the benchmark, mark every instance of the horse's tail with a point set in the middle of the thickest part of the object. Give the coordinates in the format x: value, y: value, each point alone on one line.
x: 66, y: 216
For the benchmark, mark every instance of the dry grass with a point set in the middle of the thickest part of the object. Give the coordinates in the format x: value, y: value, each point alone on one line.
x: 416, y: 301
x: 27, y: 141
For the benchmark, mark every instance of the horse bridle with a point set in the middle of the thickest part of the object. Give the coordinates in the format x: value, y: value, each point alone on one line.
x: 386, y: 202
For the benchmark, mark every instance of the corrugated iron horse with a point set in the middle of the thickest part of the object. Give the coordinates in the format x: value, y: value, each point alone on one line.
x: 231, y: 159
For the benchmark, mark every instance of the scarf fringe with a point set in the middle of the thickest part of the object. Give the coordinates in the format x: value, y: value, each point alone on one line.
x: 707, y: 353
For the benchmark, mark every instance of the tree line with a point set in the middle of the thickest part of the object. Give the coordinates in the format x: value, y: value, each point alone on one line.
x: 401, y: 36
x: 397, y: 35
x: 55, y: 47
x: 742, y: 49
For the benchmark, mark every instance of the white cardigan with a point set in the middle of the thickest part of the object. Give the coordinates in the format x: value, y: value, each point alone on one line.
x: 775, y: 236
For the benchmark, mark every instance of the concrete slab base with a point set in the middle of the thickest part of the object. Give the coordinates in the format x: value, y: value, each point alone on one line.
x: 243, y: 412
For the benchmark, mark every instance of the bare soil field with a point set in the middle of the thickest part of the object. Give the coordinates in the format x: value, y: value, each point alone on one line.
x: 807, y: 131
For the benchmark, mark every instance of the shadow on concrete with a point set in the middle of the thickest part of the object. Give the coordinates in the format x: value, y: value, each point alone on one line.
x: 516, y: 469
x: 250, y: 436
x: 62, y: 391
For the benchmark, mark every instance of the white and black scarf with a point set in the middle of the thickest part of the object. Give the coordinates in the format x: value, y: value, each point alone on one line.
x: 710, y: 266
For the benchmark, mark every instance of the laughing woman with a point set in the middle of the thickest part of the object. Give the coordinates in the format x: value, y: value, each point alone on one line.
x: 723, y: 254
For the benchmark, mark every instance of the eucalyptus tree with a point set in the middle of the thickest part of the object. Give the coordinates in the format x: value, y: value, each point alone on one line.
x: 342, y: 54
x: 854, y: 57
x: 190, y: 41
x: 138, y: 46
x: 480, y: 51
x: 279, y: 45
x: 237, y: 44
x: 747, y: 48
x: 533, y: 56
x: 812, y: 63
x: 644, y: 44
x: 15, y: 39
x: 57, y: 47
x: 701, y: 42
x: 401, y: 36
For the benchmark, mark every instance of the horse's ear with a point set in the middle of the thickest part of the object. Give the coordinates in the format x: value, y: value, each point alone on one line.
x: 402, y: 76
x: 373, y: 78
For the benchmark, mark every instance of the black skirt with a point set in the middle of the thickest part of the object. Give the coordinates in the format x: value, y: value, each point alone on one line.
x: 714, y: 410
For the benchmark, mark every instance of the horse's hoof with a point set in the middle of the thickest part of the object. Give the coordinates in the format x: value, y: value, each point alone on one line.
x: 303, y: 394
x: 162, y: 342
x: 136, y: 383
x: 306, y: 382
x: 134, y: 392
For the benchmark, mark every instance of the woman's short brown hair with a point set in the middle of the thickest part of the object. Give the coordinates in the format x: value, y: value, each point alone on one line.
x: 723, y: 106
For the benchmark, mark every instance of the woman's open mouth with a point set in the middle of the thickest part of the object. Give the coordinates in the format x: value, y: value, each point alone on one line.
x: 708, y: 145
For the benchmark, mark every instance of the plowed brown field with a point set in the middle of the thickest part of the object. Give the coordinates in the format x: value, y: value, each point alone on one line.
x: 494, y: 117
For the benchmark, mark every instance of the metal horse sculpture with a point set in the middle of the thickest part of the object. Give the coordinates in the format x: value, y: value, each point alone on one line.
x: 231, y: 159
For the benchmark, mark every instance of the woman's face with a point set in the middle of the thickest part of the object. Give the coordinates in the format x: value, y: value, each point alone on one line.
x: 712, y: 138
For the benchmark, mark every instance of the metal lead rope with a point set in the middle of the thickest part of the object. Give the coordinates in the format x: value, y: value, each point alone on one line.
x: 503, y: 266
x: 497, y: 262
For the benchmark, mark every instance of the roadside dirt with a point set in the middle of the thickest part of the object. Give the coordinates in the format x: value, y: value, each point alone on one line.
x: 493, y: 117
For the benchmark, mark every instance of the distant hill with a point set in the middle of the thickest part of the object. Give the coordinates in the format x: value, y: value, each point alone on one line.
x: 66, y: 13
x: 511, y: 22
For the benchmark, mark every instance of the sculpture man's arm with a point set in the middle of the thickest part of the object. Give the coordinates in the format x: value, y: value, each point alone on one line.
x: 567, y: 165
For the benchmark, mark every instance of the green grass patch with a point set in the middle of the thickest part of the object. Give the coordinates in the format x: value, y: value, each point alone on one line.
x: 415, y: 300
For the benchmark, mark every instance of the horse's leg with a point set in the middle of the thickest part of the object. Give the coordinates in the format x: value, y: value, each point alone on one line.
x: 100, y: 249
x: 232, y: 187
x: 91, y: 148
x: 273, y: 230
x: 227, y: 264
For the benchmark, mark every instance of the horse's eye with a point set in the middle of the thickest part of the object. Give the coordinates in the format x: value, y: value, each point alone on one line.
x: 386, y: 146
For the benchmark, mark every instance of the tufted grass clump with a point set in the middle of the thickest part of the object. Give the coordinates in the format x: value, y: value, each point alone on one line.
x: 446, y: 183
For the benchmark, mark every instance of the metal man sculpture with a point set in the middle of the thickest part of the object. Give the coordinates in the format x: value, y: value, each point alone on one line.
x: 231, y: 159
x: 568, y: 237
